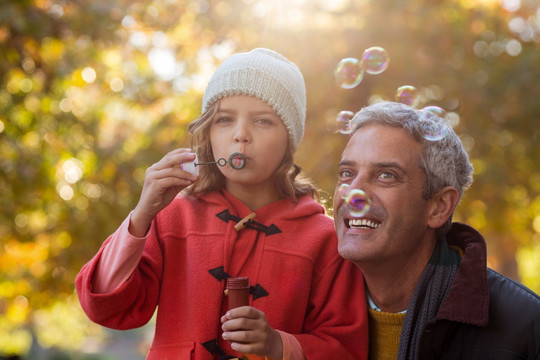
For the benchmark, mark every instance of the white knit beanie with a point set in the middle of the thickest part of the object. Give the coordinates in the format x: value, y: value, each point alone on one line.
x: 270, y: 77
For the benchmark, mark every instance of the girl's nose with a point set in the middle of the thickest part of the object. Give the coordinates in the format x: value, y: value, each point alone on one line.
x: 242, y: 134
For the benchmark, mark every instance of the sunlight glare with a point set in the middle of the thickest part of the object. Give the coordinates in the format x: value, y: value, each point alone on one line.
x: 511, y: 5
x: 138, y: 39
x: 164, y: 63
x: 335, y: 5
x: 89, y: 74
x: 282, y: 13
x: 486, y: 3
x: 223, y: 50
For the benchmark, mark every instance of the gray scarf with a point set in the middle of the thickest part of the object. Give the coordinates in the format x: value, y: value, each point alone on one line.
x: 428, y: 297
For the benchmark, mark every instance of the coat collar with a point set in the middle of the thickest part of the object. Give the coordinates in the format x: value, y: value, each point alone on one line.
x: 468, y: 299
x: 284, y: 209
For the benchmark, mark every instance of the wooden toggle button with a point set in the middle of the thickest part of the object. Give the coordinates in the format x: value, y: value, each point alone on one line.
x: 246, y: 220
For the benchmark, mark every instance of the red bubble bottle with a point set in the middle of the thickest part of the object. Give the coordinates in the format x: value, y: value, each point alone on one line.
x: 238, y: 291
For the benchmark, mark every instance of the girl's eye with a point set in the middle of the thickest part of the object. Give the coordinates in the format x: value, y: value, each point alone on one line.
x: 223, y: 119
x: 264, y: 121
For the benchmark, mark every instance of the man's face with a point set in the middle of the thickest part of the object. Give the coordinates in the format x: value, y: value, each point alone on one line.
x: 383, y: 161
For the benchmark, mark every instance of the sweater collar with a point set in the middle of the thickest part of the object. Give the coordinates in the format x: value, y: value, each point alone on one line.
x: 468, y: 299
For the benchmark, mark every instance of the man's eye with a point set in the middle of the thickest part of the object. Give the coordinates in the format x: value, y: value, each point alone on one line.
x: 386, y: 175
x: 344, y: 174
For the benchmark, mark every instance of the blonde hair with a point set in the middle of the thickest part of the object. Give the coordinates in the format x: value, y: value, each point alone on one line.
x: 288, y: 178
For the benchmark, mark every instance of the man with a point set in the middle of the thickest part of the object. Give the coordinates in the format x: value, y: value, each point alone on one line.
x: 430, y: 293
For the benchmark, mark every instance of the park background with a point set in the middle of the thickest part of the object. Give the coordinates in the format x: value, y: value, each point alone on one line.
x: 93, y: 92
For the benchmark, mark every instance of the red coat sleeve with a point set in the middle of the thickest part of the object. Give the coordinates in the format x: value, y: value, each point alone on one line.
x: 134, y: 302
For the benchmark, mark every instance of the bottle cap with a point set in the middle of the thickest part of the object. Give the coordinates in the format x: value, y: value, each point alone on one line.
x: 234, y: 283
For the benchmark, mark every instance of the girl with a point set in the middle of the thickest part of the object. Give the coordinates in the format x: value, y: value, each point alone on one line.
x: 246, y: 215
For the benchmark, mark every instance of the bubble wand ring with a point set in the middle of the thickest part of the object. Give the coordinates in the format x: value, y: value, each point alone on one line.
x: 223, y: 161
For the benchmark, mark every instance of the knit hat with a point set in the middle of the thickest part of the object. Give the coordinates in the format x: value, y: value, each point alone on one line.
x: 270, y: 77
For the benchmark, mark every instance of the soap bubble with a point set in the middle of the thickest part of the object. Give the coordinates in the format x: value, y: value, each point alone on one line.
x: 436, y: 110
x: 344, y: 122
x: 358, y: 202
x: 407, y: 95
x: 349, y: 73
x: 375, y: 60
x: 343, y: 191
x: 435, y: 131
x: 434, y: 128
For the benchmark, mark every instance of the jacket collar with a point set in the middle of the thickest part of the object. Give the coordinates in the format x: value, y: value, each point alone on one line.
x: 285, y: 208
x: 468, y: 299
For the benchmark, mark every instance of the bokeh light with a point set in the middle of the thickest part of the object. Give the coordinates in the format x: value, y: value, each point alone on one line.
x: 89, y: 74
x: 92, y: 94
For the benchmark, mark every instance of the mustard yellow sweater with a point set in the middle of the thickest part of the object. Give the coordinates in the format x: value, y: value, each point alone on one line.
x: 384, y: 334
x: 385, y: 331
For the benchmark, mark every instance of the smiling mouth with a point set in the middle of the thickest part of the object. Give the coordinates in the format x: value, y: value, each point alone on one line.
x: 362, y: 224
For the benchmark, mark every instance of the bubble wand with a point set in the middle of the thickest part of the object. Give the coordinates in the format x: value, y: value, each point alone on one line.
x: 223, y: 162
x: 237, y: 161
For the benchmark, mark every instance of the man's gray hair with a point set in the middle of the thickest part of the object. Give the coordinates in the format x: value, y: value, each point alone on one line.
x: 444, y: 161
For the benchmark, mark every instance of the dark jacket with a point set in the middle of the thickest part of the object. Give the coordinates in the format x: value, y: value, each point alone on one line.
x: 486, y: 315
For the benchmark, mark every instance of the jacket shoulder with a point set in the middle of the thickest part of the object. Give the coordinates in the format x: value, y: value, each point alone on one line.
x: 514, y: 313
x: 514, y: 293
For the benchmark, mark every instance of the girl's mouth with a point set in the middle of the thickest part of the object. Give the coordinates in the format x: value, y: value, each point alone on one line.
x: 237, y: 160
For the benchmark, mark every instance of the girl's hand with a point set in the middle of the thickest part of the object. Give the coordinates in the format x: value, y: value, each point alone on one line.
x: 248, y: 331
x: 162, y: 182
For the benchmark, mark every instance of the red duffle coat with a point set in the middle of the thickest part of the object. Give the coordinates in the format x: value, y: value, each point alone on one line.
x: 289, y: 252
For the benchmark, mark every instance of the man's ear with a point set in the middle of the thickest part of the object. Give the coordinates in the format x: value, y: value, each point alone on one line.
x: 442, y: 207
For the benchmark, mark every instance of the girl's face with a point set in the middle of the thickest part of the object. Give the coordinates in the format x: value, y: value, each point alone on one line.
x: 247, y: 125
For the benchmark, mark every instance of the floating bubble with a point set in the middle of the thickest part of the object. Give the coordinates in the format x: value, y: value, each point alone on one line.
x: 375, y: 60
x: 349, y: 73
x: 407, y: 95
x: 346, y: 129
x: 434, y: 128
x: 440, y: 112
x: 344, y: 122
x: 345, y: 116
x: 435, y: 131
x: 343, y: 191
x: 358, y: 202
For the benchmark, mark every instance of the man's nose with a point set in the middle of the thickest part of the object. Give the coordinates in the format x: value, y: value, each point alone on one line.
x: 359, y: 183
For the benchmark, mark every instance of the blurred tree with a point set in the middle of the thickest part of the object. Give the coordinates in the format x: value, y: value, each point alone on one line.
x: 93, y: 92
